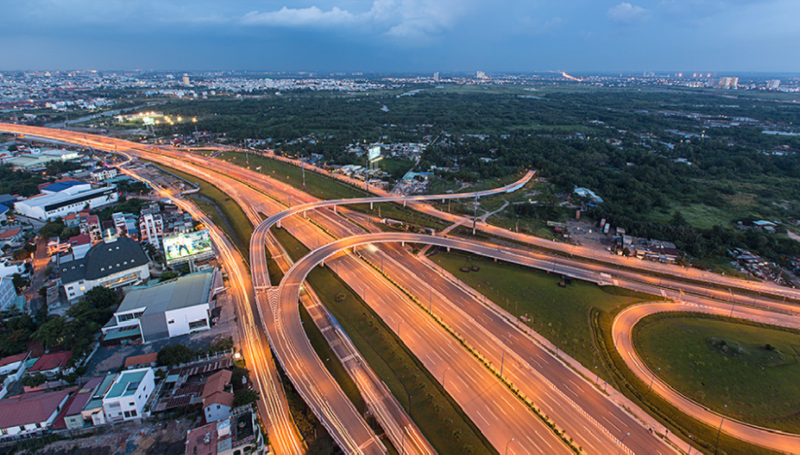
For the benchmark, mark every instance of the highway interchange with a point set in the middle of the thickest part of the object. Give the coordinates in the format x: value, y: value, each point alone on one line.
x: 571, y: 400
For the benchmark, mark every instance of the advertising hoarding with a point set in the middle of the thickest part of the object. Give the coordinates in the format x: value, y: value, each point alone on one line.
x: 184, y: 247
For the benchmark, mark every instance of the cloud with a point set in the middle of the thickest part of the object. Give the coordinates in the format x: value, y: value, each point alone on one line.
x: 408, y: 19
x: 300, y: 17
x: 625, y: 13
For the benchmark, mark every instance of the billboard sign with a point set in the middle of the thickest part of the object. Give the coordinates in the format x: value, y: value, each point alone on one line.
x: 374, y: 153
x: 189, y: 246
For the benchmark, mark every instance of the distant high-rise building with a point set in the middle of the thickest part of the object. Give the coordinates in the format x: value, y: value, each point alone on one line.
x: 436, y: 76
x: 728, y: 82
x: 185, y: 79
x: 481, y: 75
x: 773, y: 84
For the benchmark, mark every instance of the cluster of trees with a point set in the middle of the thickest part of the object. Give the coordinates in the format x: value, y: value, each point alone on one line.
x: 176, y: 354
x: 78, y: 329
x: 18, y: 182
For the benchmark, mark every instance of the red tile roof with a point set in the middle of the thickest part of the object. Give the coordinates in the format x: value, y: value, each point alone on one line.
x: 144, y: 359
x: 223, y: 398
x: 216, y: 382
x: 9, y: 233
x: 51, y: 361
x: 30, y: 408
x: 81, y: 239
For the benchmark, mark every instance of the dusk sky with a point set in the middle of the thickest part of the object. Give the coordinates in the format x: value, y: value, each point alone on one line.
x: 402, y: 35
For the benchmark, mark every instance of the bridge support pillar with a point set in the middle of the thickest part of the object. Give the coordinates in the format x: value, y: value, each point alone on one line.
x: 279, y: 224
x: 304, y: 214
x: 448, y: 249
x: 404, y: 203
x: 370, y: 205
x: 402, y: 243
x: 334, y: 209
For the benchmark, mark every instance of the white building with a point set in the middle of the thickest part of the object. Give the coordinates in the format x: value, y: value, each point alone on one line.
x: 12, y: 367
x: 30, y: 413
x: 166, y: 310
x: 62, y: 198
x: 8, y: 268
x: 8, y: 294
x: 128, y: 394
x: 104, y: 174
x: 113, y: 263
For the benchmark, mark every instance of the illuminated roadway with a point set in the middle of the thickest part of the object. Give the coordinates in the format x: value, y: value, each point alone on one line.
x: 622, y: 330
x: 396, y: 199
x: 568, y: 250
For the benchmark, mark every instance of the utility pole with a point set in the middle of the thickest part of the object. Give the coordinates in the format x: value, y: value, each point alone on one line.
x: 475, y: 216
x: 304, y: 172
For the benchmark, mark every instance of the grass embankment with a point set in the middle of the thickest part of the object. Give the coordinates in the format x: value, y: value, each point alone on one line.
x: 438, y: 416
x: 559, y: 314
x: 578, y: 319
x: 317, y: 185
x: 324, y: 187
x: 222, y: 210
x: 753, y: 369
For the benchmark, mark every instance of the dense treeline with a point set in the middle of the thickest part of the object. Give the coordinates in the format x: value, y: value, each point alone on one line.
x: 567, y: 135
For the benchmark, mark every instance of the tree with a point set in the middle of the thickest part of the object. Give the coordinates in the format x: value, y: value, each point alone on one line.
x: 52, y: 229
x: 34, y: 380
x: 168, y: 275
x: 101, y: 297
x: 51, y: 333
x: 245, y: 396
x: 678, y: 219
x: 174, y: 354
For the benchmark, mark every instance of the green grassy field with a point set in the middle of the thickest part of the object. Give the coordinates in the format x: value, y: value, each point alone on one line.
x: 396, y: 167
x: 439, y: 418
x: 559, y: 314
x: 223, y: 211
x: 718, y: 362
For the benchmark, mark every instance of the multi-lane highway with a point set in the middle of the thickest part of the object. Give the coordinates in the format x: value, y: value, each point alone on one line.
x: 526, y: 360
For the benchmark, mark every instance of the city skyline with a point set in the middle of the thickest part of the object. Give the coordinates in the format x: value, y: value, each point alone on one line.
x: 403, y: 36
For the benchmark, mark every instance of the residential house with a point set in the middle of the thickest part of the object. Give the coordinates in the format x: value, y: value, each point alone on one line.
x: 126, y: 398
x: 30, y: 413
x: 52, y: 364
x: 73, y: 414
x: 236, y: 435
x: 217, y: 402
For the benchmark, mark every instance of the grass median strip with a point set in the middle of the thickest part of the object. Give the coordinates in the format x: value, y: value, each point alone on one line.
x: 317, y: 185
x: 560, y: 314
x: 222, y: 209
x: 438, y: 416
x: 751, y: 368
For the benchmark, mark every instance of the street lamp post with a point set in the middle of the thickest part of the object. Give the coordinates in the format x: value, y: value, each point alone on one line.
x: 443, y: 373
x: 398, y: 327
x: 509, y: 443
x: 691, y: 441
x: 597, y: 379
x: 619, y: 443
x: 716, y: 445
x: 653, y: 378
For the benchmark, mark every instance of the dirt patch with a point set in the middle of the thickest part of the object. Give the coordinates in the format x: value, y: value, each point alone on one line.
x: 148, y: 438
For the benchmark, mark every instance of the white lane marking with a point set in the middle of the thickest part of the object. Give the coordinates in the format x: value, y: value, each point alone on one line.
x: 609, y: 422
x: 592, y: 434
x: 482, y: 417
